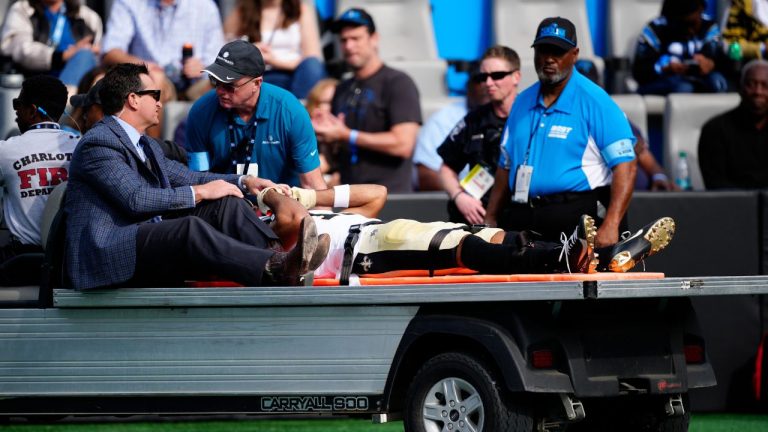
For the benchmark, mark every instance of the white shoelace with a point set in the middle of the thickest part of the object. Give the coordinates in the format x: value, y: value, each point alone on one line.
x: 568, y: 243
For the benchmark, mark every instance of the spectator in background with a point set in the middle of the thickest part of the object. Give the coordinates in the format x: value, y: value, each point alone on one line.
x: 319, y: 101
x: 73, y: 122
x: 89, y: 106
x: 650, y: 175
x: 376, y: 114
x: 570, y: 147
x: 474, y: 142
x: 246, y: 126
x: 733, y: 146
x: 747, y: 25
x: 286, y: 33
x: 32, y: 164
x: 154, y: 32
x: 426, y: 161
x: 679, y: 52
x: 60, y: 37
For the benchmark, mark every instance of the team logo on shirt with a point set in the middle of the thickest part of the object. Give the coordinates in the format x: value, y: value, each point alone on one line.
x: 560, y: 132
x: 271, y: 141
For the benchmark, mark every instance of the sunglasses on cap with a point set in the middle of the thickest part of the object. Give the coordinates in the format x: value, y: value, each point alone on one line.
x: 227, y: 86
x: 496, y: 76
x: 154, y: 93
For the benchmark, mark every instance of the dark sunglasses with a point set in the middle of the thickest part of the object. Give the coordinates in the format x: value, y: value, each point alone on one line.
x: 227, y: 86
x: 154, y: 93
x: 481, y: 77
x: 18, y: 103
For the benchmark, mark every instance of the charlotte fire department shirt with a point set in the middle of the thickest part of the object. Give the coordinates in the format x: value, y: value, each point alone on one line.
x: 31, y: 165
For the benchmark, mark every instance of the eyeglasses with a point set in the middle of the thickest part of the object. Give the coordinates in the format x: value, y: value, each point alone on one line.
x: 18, y: 103
x: 154, y: 93
x: 228, y: 86
x: 481, y: 77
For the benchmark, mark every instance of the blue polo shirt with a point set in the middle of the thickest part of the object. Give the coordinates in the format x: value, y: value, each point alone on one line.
x: 574, y: 143
x: 285, y: 143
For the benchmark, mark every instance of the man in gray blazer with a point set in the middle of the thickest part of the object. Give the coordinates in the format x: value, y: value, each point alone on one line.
x: 136, y: 218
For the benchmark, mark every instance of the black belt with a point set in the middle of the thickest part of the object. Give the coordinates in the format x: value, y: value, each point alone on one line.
x: 561, y: 198
x: 349, y: 247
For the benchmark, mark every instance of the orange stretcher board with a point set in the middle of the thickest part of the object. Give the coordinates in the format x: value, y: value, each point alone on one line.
x: 463, y: 278
x: 477, y: 278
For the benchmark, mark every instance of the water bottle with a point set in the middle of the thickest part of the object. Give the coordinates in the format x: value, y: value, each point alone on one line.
x: 682, y: 172
x: 187, y: 51
x: 736, y: 55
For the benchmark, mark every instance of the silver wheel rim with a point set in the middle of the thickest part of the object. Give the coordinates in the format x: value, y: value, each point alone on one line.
x: 453, y: 405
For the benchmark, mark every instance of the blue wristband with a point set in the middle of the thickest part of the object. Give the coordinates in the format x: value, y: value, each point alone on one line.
x: 353, y: 145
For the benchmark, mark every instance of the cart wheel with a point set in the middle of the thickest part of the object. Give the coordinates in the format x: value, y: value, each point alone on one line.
x: 456, y: 392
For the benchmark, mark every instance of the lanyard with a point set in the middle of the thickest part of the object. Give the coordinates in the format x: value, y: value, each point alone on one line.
x: 58, y: 29
x: 46, y: 126
x: 534, y: 127
x: 234, y: 147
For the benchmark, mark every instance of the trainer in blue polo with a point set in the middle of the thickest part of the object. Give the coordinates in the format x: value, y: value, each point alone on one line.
x: 246, y: 126
x: 568, y: 149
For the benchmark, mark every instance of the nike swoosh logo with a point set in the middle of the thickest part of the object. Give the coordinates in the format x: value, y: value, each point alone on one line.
x: 637, y: 234
x: 313, y: 152
x: 230, y: 78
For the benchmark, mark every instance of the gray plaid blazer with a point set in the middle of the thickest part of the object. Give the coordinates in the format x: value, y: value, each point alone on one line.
x: 110, y: 192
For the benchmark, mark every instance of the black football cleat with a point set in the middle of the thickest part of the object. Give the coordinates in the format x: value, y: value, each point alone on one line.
x: 578, y: 249
x: 647, y: 241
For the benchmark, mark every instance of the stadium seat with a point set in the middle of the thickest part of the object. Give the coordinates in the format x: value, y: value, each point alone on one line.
x: 430, y: 106
x: 10, y: 87
x: 173, y: 113
x: 4, y: 5
x: 428, y: 76
x: 684, y: 116
x: 404, y: 26
x: 627, y: 19
x: 625, y: 23
x: 516, y: 21
x: 528, y: 75
x: 634, y: 107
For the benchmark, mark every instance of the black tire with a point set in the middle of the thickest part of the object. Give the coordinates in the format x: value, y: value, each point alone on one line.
x: 478, y: 399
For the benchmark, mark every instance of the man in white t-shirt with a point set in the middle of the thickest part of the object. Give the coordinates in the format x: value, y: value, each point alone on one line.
x: 32, y: 164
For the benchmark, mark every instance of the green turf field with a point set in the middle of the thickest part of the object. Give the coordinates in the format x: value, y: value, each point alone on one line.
x: 699, y: 423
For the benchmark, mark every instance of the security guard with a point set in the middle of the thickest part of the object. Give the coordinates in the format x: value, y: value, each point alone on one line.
x: 474, y: 142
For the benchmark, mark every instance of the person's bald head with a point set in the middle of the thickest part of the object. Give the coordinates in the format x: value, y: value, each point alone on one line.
x: 754, y: 87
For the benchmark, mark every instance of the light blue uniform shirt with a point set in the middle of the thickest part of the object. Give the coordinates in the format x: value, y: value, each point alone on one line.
x: 285, y: 143
x: 574, y: 143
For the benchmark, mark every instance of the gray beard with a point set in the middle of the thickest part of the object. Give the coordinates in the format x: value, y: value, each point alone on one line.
x: 556, y: 79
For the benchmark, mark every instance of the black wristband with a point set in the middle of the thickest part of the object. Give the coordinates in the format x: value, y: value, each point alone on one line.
x: 456, y: 195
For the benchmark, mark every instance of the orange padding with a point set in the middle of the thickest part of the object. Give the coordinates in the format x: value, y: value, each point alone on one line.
x: 497, y: 278
x: 475, y: 278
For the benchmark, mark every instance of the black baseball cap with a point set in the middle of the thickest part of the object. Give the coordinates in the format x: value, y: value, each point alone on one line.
x: 235, y: 60
x: 87, y: 99
x: 354, y: 17
x: 556, y: 31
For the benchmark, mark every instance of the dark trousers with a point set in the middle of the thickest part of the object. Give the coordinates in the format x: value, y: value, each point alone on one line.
x: 518, y: 253
x: 555, y: 214
x: 224, y: 238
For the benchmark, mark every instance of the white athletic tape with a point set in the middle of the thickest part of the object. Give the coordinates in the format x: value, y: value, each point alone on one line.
x: 341, y: 196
